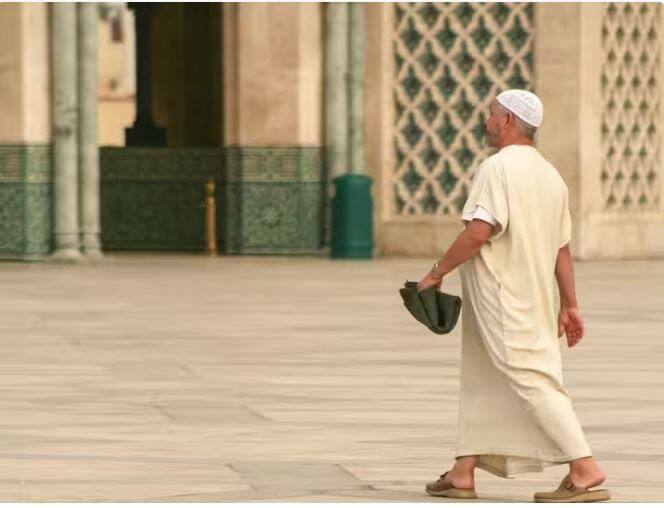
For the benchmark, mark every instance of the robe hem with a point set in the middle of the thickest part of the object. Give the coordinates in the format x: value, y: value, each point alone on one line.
x: 545, y: 460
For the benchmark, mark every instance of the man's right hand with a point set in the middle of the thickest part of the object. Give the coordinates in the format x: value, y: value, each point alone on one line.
x: 570, y: 322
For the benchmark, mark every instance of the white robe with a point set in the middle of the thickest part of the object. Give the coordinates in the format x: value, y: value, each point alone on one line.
x: 513, y: 409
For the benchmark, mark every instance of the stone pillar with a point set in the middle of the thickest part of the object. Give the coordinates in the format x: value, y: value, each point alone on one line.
x: 352, y: 209
x: 336, y: 92
x: 63, y: 45
x: 344, y: 88
x: 144, y: 132
x: 336, y: 100
x: 356, y: 162
x: 87, y: 129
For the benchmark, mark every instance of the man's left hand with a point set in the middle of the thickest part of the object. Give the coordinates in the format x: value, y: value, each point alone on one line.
x: 429, y: 280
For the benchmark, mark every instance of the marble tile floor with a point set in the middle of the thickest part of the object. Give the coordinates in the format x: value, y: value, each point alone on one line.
x: 187, y: 378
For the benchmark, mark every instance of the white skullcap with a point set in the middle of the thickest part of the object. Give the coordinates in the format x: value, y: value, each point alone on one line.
x: 524, y: 104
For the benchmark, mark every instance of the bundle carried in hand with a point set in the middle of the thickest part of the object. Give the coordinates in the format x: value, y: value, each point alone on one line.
x: 436, y: 310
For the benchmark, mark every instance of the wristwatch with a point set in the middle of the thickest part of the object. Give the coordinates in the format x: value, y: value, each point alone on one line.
x: 436, y: 271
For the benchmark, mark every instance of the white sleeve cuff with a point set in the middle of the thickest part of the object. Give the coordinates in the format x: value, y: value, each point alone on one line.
x: 480, y: 213
x: 483, y: 214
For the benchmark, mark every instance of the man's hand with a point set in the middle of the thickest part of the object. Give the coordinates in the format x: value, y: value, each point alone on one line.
x: 429, y: 280
x: 570, y: 322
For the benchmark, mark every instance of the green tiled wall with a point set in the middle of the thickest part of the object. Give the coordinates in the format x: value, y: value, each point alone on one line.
x: 26, y: 201
x: 269, y: 200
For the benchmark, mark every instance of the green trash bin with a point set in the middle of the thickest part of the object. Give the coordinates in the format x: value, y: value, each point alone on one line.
x: 352, y: 218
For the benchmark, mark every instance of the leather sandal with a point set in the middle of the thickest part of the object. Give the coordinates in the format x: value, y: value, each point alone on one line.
x: 444, y: 488
x: 567, y: 492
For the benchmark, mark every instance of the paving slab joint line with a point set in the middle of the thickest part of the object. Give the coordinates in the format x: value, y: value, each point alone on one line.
x: 188, y: 370
x: 257, y: 414
x: 368, y: 486
x: 163, y: 412
x: 252, y: 486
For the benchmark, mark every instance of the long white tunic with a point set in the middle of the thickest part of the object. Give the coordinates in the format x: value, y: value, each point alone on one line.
x: 514, y: 411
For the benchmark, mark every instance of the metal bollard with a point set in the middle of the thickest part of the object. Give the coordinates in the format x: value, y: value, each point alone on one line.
x: 210, y: 219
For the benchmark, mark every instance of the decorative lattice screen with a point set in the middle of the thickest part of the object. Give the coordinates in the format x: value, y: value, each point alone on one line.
x: 631, y: 94
x: 451, y: 60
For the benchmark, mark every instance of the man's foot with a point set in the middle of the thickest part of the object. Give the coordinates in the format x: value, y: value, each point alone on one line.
x: 445, y: 487
x: 587, y: 476
x: 461, y: 480
x: 462, y: 474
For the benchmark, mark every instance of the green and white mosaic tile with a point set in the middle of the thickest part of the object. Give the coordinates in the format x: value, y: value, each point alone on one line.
x: 269, y: 200
x: 26, y: 201
x: 273, y: 200
x: 450, y: 61
x: 631, y: 114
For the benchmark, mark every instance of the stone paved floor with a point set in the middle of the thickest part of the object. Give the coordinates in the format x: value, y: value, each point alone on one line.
x: 184, y: 378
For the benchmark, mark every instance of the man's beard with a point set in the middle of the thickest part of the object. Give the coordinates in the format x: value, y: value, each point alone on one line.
x: 488, y: 140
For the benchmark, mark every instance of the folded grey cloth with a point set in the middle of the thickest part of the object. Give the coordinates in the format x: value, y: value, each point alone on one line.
x: 436, y: 310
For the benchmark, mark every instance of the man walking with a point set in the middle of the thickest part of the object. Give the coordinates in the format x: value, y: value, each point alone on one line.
x: 515, y: 416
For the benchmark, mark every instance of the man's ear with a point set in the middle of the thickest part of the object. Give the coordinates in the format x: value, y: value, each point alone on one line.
x: 509, y: 118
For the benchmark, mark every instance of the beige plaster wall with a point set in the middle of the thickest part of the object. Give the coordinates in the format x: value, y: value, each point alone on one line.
x: 116, y: 87
x: 376, y: 97
x: 24, y: 76
x: 273, y: 74
x: 11, y: 72
x: 310, y: 73
x: 557, y: 81
x: 113, y: 117
x: 35, y: 76
x: 116, y: 65
x: 24, y: 101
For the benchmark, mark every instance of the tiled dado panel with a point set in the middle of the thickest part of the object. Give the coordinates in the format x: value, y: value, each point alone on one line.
x: 26, y: 201
x: 273, y: 200
x: 153, y: 198
x: 269, y: 200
